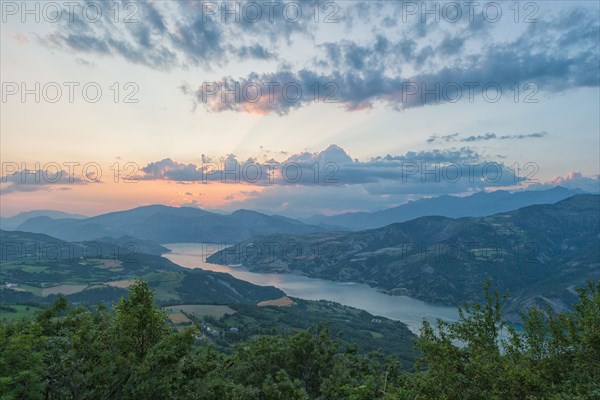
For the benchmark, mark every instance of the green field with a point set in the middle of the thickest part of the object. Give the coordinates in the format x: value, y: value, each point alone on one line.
x: 24, y: 267
x: 201, y: 310
x: 28, y: 288
x: 64, y: 289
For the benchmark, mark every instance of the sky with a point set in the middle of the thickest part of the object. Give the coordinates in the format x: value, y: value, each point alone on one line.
x: 293, y: 107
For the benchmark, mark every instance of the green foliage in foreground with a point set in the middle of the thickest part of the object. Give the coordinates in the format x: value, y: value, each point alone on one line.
x: 74, y: 353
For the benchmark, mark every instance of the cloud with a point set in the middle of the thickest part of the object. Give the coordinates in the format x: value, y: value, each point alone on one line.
x: 306, y: 200
x: 524, y: 136
x: 402, y: 74
x: 301, y: 168
x: 332, y: 154
x: 85, y: 63
x: 485, y: 137
x: 396, y: 65
x: 445, y: 138
x: 34, y: 180
x: 168, y: 169
x: 167, y: 35
x: 455, y: 170
x: 573, y: 180
x: 191, y: 204
x: 255, y: 51
x: 435, y: 172
x: 18, y: 37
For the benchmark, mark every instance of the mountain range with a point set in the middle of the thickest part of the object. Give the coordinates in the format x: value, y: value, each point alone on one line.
x: 475, y: 205
x: 539, y: 254
x: 163, y: 224
x: 11, y: 223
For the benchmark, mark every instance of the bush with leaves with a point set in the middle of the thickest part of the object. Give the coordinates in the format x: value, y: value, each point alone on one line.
x: 133, y: 353
x: 480, y: 356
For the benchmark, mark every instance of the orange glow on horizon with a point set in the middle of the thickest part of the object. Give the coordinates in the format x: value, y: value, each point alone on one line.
x: 98, y: 198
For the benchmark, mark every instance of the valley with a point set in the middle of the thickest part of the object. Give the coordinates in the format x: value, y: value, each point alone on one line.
x: 537, y: 253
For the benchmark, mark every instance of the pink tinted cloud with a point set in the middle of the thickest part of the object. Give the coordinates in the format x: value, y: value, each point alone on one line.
x: 18, y: 37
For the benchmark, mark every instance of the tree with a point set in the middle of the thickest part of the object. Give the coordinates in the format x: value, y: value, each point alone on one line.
x: 74, y: 352
x: 282, y: 387
x: 139, y: 323
x: 555, y: 356
x: 21, y: 368
x: 161, y: 374
x: 468, y: 370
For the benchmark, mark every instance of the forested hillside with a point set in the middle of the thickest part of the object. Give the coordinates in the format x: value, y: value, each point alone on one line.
x: 132, y: 352
x: 538, y: 253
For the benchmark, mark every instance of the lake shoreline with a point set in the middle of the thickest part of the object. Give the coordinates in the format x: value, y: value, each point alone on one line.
x: 408, y: 310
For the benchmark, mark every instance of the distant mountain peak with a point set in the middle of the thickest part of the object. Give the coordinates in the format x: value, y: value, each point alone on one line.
x: 154, y: 206
x: 245, y: 211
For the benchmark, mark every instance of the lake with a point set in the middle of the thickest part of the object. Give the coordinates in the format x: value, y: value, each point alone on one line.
x: 402, y: 308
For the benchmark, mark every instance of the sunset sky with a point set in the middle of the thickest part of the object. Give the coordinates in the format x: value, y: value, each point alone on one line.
x: 160, y: 122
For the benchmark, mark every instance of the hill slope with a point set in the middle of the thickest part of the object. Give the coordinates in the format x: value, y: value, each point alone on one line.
x: 538, y: 253
x: 165, y: 224
x: 475, y: 205
x: 36, y: 267
x: 11, y: 223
